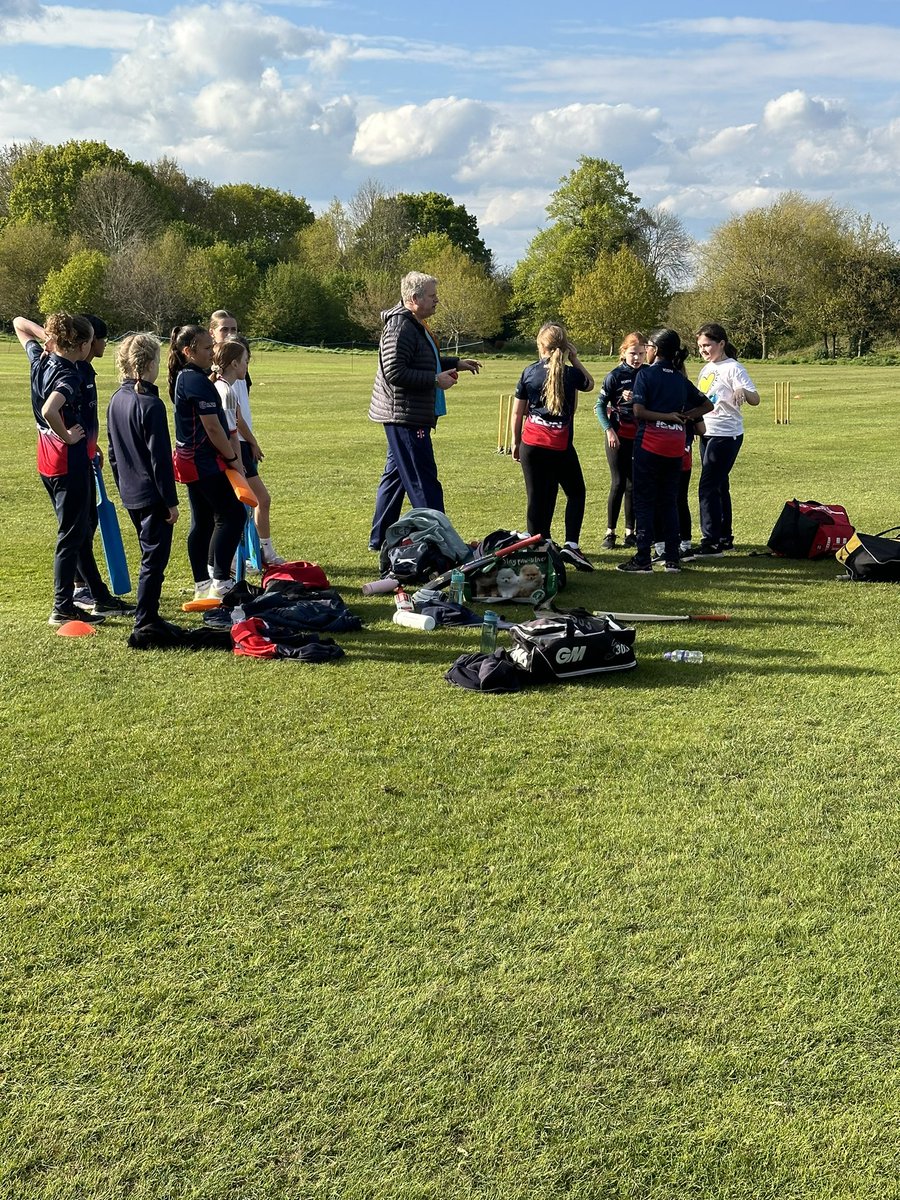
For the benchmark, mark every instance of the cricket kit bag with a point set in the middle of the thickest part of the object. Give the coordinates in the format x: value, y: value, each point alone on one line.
x: 527, y: 576
x: 872, y: 558
x: 421, y: 544
x: 555, y: 648
x: 808, y: 529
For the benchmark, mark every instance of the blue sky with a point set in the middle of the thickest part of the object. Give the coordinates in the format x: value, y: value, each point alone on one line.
x: 708, y: 112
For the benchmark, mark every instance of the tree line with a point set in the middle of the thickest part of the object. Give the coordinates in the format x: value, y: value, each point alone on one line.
x: 85, y: 228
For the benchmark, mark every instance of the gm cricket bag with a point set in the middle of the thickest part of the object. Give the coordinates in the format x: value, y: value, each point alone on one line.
x: 808, y: 529
x: 872, y: 558
x: 527, y: 576
x: 566, y: 647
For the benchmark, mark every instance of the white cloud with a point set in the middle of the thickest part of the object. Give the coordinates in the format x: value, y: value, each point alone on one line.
x: 85, y: 28
x: 796, y: 111
x: 446, y: 126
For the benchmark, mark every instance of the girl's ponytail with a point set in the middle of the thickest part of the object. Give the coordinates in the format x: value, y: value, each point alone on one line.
x: 182, y: 336
x: 553, y: 344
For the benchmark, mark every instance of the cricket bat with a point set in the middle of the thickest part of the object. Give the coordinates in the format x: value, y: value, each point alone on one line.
x: 111, y: 538
x: 242, y: 488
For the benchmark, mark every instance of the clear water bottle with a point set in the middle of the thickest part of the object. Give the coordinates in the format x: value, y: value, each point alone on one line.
x: 457, y: 593
x: 489, y: 632
x: 685, y: 656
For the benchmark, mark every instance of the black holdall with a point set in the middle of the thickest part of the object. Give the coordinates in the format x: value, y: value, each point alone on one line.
x: 872, y: 558
x: 568, y: 646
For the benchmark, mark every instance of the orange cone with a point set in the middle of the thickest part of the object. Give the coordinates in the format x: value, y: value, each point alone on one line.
x: 75, y: 629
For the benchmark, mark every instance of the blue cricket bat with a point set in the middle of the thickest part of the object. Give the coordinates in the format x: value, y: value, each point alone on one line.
x: 249, y: 552
x: 111, y: 537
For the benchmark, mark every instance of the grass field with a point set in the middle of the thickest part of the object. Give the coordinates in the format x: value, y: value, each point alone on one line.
x: 345, y: 932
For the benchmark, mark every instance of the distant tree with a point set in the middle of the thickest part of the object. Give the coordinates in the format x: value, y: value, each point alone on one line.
x: 752, y: 269
x: 114, y: 208
x: 666, y: 246
x: 144, y: 285
x: 220, y: 276
x: 592, y: 213
x: 293, y: 305
x: 433, y: 212
x: 28, y: 253
x: 324, y: 246
x: 9, y: 156
x: 45, y: 184
x: 264, y: 219
x: 866, y: 299
x: 179, y: 197
x: 381, y: 230
x: 619, y: 294
x: 78, y: 286
x: 471, y: 302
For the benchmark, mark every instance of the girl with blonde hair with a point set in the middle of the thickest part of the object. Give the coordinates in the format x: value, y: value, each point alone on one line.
x: 616, y: 417
x: 140, y: 455
x: 544, y: 414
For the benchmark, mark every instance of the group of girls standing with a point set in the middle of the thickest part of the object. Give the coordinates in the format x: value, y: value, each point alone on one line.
x: 650, y: 414
x: 212, y: 431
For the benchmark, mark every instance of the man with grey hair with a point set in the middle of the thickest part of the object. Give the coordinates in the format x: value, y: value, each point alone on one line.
x: 407, y: 398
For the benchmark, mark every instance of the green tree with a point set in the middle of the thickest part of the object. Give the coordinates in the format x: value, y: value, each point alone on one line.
x: 592, y: 213
x: 294, y: 305
x: 381, y: 230
x: 45, y: 185
x: 220, y: 276
x: 28, y: 252
x: 264, y: 219
x: 754, y: 269
x: 621, y: 293
x: 433, y: 212
x: 10, y: 155
x: 471, y: 302
x: 78, y: 286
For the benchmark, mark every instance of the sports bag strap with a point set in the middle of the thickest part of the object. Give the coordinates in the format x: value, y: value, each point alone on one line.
x: 893, y: 529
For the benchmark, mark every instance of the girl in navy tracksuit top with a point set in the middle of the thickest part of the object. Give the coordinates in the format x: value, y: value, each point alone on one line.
x: 616, y: 417
x: 663, y: 400
x: 203, y: 449
x: 140, y: 455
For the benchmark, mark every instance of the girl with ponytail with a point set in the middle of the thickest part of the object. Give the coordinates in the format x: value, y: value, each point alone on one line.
x: 203, y: 449
x: 544, y: 414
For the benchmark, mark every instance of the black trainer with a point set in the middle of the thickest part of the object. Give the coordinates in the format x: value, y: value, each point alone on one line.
x: 72, y: 612
x: 703, y: 552
x: 634, y: 566
x: 572, y: 554
x: 630, y: 541
x: 727, y: 543
x: 673, y: 567
x: 609, y: 542
x: 113, y: 607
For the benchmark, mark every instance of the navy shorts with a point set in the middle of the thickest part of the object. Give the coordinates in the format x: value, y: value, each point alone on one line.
x: 251, y: 467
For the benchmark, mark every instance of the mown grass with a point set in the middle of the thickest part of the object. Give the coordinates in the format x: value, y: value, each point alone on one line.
x: 343, y: 931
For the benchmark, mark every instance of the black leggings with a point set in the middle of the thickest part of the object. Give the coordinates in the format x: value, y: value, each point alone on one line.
x: 546, y: 471
x: 684, y: 512
x: 621, y: 486
x: 217, y: 524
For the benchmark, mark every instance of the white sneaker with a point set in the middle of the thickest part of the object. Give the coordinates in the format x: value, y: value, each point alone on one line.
x: 202, y: 589
x: 271, y: 558
x: 685, y: 547
x: 220, y: 587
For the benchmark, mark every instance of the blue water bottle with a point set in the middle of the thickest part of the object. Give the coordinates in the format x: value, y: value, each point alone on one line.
x: 457, y: 592
x: 489, y: 632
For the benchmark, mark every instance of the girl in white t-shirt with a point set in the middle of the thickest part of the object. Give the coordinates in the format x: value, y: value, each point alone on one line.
x: 728, y: 386
x: 223, y: 327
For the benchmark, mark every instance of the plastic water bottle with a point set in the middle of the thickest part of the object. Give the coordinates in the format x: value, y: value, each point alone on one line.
x: 413, y: 620
x: 684, y: 656
x: 457, y: 594
x: 489, y: 632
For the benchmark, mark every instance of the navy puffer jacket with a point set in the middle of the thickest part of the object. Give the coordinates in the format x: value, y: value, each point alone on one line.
x: 404, y: 382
